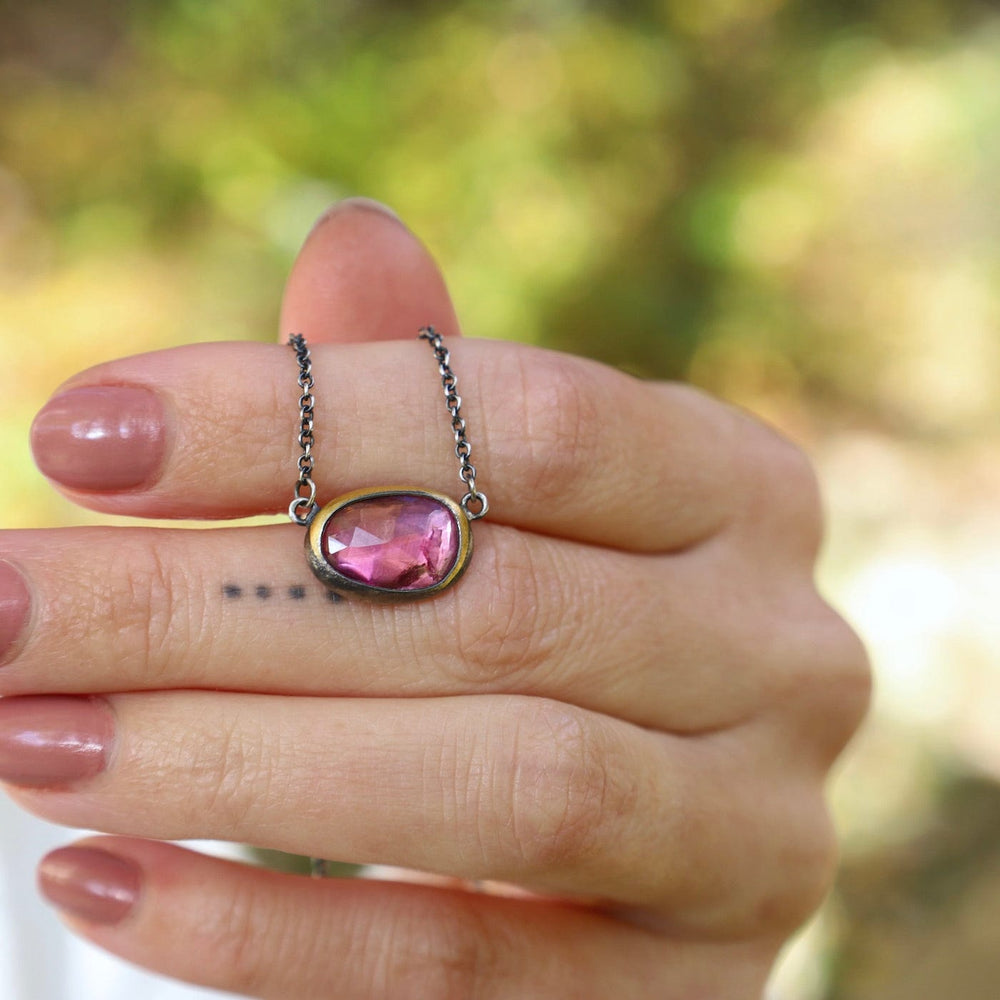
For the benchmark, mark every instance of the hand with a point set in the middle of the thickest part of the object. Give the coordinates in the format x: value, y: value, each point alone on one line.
x: 627, y: 706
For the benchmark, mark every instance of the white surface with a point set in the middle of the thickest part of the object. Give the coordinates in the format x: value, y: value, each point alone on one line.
x: 39, y: 958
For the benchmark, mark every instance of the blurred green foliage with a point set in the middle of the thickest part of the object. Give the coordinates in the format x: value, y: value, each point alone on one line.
x: 641, y: 182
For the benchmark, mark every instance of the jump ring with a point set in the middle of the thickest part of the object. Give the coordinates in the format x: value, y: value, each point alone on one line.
x: 479, y: 498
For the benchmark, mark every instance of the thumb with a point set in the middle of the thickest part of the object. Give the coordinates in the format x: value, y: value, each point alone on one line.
x: 362, y: 276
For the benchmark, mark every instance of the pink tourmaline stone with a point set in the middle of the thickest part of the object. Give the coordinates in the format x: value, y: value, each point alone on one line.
x: 400, y: 541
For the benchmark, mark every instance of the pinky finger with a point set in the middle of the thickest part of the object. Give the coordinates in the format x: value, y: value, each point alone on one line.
x: 263, y: 934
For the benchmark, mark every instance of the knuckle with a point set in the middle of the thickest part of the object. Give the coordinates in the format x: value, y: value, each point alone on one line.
x: 156, y: 601
x: 513, y: 631
x: 559, y: 414
x: 447, y: 954
x: 259, y: 948
x: 412, y: 948
x: 233, y: 933
x: 826, y: 684
x: 784, y: 489
x: 569, y: 788
x: 156, y: 611
x: 848, y: 675
x: 807, y: 863
x: 783, y: 462
x: 231, y: 770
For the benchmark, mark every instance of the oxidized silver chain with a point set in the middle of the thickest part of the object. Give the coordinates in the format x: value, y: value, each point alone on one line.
x: 463, y: 449
x: 304, y: 510
x: 303, y: 506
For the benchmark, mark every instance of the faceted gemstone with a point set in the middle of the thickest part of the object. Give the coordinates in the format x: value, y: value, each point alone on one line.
x: 401, y: 541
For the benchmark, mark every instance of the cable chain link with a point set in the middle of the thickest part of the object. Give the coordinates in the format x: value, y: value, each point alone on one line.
x: 463, y: 449
x: 302, y: 509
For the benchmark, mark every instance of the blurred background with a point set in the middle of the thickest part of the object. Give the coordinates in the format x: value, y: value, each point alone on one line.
x: 793, y: 203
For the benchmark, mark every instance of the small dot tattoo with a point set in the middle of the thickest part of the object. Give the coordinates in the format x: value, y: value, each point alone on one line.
x: 263, y: 591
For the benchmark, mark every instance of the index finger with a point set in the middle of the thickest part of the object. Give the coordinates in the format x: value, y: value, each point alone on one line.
x: 563, y: 446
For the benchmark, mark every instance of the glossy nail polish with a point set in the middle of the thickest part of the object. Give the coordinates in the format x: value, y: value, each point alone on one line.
x: 90, y: 883
x: 15, y: 603
x: 102, y: 439
x: 52, y: 740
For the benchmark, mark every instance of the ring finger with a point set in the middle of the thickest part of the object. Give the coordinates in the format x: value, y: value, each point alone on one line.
x: 523, y: 790
x: 630, y: 635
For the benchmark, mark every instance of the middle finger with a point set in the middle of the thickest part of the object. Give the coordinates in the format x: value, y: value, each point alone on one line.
x: 634, y: 636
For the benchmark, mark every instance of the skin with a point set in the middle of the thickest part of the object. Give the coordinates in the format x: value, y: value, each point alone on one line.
x: 627, y: 707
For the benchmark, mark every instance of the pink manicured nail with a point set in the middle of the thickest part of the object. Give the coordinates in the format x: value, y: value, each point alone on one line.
x: 48, y: 740
x: 102, y: 438
x: 90, y: 884
x: 15, y: 603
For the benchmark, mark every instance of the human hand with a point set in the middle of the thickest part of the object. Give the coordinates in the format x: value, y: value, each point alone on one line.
x: 627, y: 706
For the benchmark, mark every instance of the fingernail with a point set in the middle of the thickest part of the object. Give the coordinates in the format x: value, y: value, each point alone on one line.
x: 90, y: 883
x: 48, y: 740
x: 102, y: 438
x: 15, y: 603
x: 354, y: 204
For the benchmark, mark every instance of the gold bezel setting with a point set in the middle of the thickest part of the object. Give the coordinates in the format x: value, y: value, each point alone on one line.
x: 348, y: 586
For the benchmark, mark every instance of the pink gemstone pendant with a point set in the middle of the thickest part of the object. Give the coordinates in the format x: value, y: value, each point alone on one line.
x: 393, y: 543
